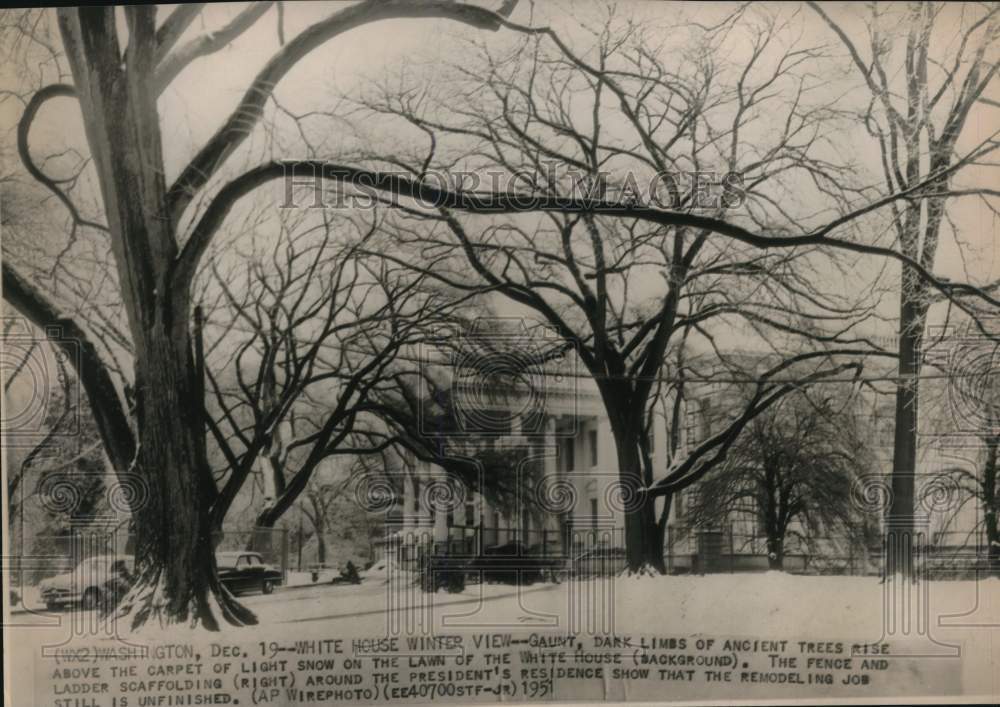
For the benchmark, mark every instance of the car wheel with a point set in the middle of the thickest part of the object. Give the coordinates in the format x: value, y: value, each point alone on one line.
x: 267, y: 586
x: 91, y: 598
x: 52, y: 606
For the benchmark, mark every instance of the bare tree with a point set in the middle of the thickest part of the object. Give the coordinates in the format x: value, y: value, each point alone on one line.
x: 313, y: 349
x: 980, y: 487
x: 540, y: 110
x: 305, y: 334
x: 628, y: 217
x: 159, y: 234
x: 319, y: 497
x: 918, y: 112
x: 792, y: 472
x: 472, y: 442
x: 156, y: 252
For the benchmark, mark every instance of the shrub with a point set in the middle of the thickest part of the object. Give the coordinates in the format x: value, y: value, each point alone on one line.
x: 438, y: 573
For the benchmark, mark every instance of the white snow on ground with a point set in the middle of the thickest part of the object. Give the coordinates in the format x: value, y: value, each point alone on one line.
x: 769, y: 605
x: 766, y: 604
x: 778, y: 602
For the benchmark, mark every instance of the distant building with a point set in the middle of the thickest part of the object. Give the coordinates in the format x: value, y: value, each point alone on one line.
x: 571, y: 441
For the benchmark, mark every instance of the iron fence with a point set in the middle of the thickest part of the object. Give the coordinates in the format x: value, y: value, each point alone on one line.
x: 58, y: 554
x: 580, y: 552
x: 730, y: 549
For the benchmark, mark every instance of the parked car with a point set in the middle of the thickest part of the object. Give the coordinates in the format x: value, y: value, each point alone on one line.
x: 512, y: 563
x: 95, y: 582
x: 246, y: 571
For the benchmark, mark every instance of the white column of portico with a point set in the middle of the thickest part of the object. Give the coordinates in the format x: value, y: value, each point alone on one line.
x: 550, y: 470
x: 429, y: 474
x: 606, y: 471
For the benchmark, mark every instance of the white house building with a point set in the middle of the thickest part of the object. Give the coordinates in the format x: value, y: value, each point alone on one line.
x: 573, y: 506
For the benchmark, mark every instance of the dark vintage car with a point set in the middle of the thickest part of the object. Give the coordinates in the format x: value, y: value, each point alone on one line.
x: 246, y: 572
x: 96, y: 582
x: 512, y: 563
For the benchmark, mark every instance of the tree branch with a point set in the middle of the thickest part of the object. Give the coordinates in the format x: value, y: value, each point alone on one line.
x: 250, y: 109
x: 493, y: 203
x: 174, y: 26
x: 170, y: 65
x: 105, y: 402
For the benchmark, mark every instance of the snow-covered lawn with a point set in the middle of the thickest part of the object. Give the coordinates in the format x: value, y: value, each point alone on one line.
x: 748, y: 604
x: 778, y: 602
x: 766, y: 606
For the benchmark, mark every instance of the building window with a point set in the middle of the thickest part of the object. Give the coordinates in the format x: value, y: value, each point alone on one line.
x: 470, y: 515
x: 692, y: 423
x: 592, y: 443
x: 416, y: 493
x: 569, y: 460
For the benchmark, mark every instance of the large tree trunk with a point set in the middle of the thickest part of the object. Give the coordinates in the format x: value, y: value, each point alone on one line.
x: 320, y: 547
x: 991, y: 504
x: 661, y: 526
x: 643, y: 553
x: 899, y: 528
x: 776, y: 553
x: 262, y: 537
x: 177, y: 579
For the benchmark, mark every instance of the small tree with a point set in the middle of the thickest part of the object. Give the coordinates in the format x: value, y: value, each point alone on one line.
x: 319, y: 497
x: 791, y: 472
